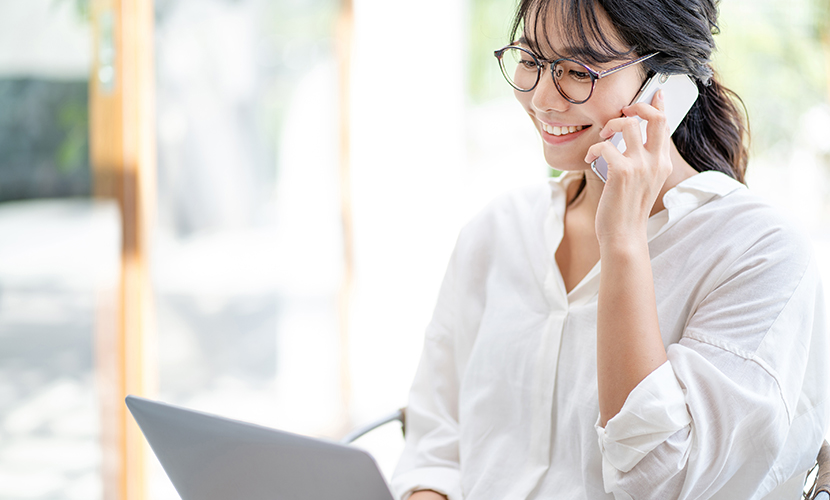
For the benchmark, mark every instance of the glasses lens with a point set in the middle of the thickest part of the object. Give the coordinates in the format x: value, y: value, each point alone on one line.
x: 519, y: 68
x: 573, y: 80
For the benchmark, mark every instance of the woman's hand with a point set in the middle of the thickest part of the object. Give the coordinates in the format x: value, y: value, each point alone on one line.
x: 427, y: 495
x: 636, y: 177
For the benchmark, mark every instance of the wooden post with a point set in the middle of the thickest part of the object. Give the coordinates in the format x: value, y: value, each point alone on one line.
x: 344, y: 35
x: 122, y: 153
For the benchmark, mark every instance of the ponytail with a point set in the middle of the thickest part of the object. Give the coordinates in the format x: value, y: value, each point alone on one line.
x: 714, y: 134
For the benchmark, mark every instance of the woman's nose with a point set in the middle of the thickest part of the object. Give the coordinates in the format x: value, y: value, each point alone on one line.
x: 546, y: 96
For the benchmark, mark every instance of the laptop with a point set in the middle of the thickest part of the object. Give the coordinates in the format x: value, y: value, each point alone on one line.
x: 208, y: 457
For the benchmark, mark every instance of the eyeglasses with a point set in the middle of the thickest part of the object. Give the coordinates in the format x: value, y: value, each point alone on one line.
x: 574, y: 80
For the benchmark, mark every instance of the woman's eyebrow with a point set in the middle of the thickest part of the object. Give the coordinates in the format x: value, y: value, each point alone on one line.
x: 566, y: 52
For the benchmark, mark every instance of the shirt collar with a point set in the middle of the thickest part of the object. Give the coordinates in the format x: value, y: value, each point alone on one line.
x: 679, y: 201
x: 696, y: 190
x: 700, y: 188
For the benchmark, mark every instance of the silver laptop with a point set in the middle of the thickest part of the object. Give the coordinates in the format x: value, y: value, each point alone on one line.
x: 208, y: 457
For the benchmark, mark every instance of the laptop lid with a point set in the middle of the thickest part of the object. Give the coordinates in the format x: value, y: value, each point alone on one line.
x: 208, y: 457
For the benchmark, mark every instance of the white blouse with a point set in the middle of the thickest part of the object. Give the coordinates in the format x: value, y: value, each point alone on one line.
x: 504, y: 403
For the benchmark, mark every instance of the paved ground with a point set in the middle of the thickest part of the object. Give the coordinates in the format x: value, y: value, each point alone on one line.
x: 48, y: 417
x: 49, y: 432
x: 48, y: 414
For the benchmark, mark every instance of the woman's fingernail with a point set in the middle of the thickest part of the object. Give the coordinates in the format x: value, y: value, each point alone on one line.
x: 660, y: 94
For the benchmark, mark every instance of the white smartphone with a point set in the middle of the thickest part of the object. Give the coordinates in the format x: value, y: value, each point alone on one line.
x: 679, y: 94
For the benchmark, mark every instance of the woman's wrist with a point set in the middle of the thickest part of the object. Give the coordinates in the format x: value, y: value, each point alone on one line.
x: 427, y: 495
x: 623, y: 245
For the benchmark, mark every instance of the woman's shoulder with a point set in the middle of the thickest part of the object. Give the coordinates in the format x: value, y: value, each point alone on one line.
x: 520, y: 208
x: 748, y: 221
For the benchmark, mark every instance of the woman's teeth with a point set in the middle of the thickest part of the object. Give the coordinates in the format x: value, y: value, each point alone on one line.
x: 561, y: 130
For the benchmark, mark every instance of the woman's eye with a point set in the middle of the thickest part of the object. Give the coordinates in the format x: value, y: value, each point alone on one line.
x: 580, y: 75
x: 528, y: 64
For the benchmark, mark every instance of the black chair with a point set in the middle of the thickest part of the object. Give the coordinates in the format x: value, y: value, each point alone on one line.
x: 820, y: 490
x: 399, y: 415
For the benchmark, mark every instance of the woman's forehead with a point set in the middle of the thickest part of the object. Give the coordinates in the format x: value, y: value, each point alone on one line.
x: 554, y: 29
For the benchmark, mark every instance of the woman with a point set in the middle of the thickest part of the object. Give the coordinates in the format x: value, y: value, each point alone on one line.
x: 660, y: 335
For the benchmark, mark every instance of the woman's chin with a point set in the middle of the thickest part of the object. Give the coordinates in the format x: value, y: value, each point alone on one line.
x: 556, y: 163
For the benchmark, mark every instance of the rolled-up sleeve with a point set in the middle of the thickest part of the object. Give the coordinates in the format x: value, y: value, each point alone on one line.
x: 655, y: 410
x: 734, y: 403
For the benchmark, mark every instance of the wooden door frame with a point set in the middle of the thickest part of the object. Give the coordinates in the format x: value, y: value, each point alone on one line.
x: 123, y: 160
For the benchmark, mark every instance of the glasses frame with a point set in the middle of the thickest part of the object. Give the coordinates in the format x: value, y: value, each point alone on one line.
x: 595, y: 75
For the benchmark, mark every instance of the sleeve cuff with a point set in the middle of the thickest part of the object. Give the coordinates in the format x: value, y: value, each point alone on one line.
x: 654, y: 410
x: 444, y: 480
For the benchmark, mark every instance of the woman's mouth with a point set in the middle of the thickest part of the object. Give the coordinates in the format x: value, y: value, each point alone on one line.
x: 557, y: 134
x: 570, y: 129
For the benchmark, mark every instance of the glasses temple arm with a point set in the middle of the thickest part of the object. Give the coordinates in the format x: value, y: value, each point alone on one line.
x: 624, y: 65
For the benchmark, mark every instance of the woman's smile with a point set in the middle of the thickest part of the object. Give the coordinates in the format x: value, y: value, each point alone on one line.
x: 560, y: 133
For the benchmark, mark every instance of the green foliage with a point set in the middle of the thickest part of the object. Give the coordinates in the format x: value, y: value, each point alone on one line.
x: 301, y: 20
x: 489, y: 30
x: 82, y: 7
x: 43, y: 139
x: 71, y: 153
x: 821, y: 14
x: 769, y: 54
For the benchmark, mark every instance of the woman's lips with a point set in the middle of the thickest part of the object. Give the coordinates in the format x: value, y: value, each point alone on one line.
x: 553, y: 134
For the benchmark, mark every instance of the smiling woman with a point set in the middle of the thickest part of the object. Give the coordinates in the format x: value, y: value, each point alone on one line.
x: 658, y: 335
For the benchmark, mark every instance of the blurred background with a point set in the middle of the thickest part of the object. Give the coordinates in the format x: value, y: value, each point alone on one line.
x: 299, y: 174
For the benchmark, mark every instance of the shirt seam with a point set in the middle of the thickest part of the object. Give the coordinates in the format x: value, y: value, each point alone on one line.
x: 761, y: 362
x: 702, y: 339
x: 719, y: 281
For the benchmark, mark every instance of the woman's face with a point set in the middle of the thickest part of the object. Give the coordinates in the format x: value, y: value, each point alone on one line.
x: 552, y: 114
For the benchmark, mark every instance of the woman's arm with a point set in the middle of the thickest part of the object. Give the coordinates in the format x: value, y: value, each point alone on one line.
x: 629, y: 345
x: 744, y: 393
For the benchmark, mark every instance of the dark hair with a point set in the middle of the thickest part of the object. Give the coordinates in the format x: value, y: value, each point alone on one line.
x: 714, y: 135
